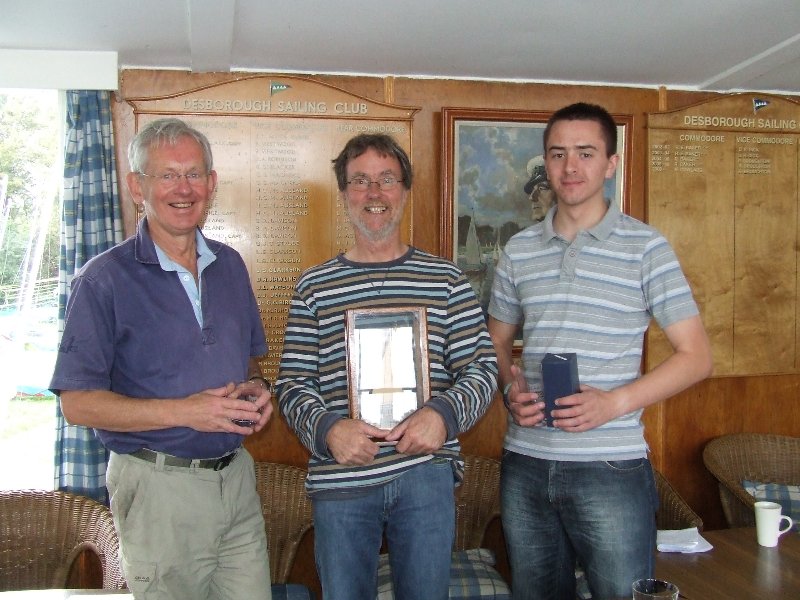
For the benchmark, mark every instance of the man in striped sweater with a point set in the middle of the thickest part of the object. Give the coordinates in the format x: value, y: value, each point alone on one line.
x: 587, y: 279
x: 404, y: 486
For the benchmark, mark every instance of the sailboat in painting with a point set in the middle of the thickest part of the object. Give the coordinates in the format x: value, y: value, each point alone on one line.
x: 473, y: 256
x: 472, y: 261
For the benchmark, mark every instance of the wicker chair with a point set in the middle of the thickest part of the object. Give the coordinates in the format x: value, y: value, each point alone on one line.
x: 477, y: 501
x: 42, y: 533
x: 673, y: 511
x: 762, y: 457
x: 287, y: 514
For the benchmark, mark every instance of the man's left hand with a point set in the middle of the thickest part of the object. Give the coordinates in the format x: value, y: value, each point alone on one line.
x: 586, y: 410
x: 422, y: 432
x: 262, y: 403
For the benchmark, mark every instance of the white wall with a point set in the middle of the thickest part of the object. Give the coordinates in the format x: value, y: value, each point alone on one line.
x: 56, y: 69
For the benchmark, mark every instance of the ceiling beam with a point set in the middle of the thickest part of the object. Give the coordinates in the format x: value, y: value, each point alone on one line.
x: 741, y: 75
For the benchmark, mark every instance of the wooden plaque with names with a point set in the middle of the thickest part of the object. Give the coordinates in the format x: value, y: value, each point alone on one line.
x: 273, y: 140
x: 723, y: 189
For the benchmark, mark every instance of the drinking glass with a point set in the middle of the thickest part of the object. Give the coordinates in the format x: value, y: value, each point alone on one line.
x: 649, y: 589
x: 250, y: 391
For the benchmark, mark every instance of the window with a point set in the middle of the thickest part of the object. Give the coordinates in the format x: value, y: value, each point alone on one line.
x: 30, y: 180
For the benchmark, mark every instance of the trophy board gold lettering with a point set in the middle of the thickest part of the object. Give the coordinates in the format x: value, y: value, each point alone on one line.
x: 723, y: 188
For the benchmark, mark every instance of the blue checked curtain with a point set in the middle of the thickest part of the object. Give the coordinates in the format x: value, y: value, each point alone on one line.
x: 91, y: 222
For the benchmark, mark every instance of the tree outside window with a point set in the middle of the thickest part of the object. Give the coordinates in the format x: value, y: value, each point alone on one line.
x: 30, y: 179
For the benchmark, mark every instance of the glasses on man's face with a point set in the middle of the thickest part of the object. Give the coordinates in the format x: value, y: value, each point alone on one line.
x: 359, y: 183
x: 171, y: 180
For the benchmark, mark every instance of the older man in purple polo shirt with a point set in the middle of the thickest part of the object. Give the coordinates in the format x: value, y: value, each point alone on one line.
x: 162, y: 334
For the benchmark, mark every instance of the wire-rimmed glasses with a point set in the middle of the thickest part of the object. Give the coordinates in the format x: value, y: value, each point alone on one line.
x: 360, y: 183
x: 171, y: 179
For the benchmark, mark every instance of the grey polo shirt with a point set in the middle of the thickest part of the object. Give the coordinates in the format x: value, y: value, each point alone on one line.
x: 594, y: 296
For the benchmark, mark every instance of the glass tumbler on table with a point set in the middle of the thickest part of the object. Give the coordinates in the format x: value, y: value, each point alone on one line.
x: 651, y: 589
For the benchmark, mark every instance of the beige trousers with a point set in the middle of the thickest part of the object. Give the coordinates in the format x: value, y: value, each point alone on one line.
x: 188, y: 533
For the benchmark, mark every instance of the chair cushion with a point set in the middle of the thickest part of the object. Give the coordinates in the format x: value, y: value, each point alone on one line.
x: 788, y: 496
x: 472, y: 575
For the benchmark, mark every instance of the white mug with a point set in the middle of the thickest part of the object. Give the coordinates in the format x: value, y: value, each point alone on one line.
x: 768, y: 522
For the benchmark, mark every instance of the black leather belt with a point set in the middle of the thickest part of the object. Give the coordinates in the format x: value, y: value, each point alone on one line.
x: 216, y: 464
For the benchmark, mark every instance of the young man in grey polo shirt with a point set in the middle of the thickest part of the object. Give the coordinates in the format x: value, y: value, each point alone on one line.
x: 588, y: 279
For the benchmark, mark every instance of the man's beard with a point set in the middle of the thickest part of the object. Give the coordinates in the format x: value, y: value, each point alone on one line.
x: 377, y: 235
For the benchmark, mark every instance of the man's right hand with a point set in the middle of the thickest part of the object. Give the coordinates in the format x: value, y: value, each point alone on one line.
x: 213, y: 410
x: 524, y: 405
x: 350, y: 441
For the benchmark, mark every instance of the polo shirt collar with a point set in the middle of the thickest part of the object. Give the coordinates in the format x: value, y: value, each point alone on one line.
x: 549, y: 232
x: 145, y: 248
x: 204, y: 256
x: 601, y: 231
x: 605, y: 227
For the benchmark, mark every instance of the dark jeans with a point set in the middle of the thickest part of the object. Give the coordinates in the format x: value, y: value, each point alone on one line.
x: 600, y: 513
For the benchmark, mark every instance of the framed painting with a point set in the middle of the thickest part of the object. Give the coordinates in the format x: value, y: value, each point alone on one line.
x: 495, y: 185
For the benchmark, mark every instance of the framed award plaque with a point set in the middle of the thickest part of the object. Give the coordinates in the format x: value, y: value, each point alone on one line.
x: 387, y: 363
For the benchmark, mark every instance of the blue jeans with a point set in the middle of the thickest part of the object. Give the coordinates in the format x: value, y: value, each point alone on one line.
x: 418, y: 512
x: 600, y: 513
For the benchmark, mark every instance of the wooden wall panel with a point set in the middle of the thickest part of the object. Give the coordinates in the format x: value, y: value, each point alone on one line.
x: 766, y: 267
x: 723, y: 188
x: 686, y: 209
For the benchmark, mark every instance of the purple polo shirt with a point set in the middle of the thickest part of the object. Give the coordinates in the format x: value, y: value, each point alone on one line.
x: 130, y: 328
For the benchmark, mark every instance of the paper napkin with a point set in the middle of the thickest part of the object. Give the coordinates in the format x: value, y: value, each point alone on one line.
x: 681, y: 540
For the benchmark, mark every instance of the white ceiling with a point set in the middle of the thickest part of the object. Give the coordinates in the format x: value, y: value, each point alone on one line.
x: 720, y: 45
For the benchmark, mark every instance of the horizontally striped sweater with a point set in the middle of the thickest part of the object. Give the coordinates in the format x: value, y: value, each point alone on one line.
x: 312, y: 383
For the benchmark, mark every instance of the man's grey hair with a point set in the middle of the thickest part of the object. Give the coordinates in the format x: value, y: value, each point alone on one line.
x: 164, y: 132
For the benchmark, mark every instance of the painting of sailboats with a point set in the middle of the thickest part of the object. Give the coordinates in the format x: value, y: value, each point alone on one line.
x: 491, y: 195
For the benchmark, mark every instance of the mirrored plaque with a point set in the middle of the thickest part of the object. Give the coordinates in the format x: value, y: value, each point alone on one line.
x: 387, y: 363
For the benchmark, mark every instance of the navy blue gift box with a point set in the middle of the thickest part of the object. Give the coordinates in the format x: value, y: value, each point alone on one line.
x: 559, y: 379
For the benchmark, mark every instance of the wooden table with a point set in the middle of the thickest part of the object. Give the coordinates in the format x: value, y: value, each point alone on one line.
x: 737, y: 567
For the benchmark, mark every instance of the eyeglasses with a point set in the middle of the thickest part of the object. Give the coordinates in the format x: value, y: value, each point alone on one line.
x: 361, y: 184
x: 170, y: 180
